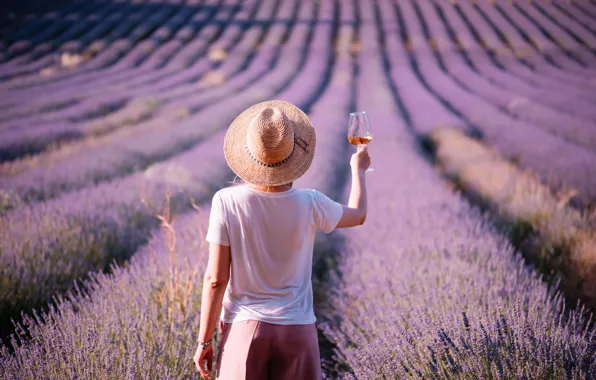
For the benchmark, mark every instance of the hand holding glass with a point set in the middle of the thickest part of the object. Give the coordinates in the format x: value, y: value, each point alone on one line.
x: 359, y: 130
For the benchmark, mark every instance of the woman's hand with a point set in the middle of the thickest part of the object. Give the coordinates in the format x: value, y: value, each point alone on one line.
x: 360, y: 160
x: 204, y: 354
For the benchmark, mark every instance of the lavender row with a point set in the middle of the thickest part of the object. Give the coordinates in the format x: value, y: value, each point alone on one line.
x: 119, y: 153
x: 268, y: 55
x: 126, y: 34
x: 207, y: 22
x: 401, y: 73
x: 141, y: 51
x: 564, y: 32
x: 93, y: 77
x: 164, y: 33
x: 466, y: 20
x: 227, y: 56
x: 39, y: 30
x: 107, y: 80
x: 129, y: 88
x: 29, y: 140
x: 19, y: 37
x: 461, y: 40
x: 196, y: 28
x: 109, y: 219
x: 153, y: 264
x: 427, y: 288
x: 512, y: 137
x: 191, y: 74
x: 192, y: 39
x: 149, y: 317
x: 524, y: 83
x: 329, y: 116
x: 120, y: 24
x: 524, y: 59
x: 40, y: 52
x: 554, y: 64
x: 20, y: 142
x: 550, y: 38
x: 48, y: 245
x: 578, y: 131
x: 577, y: 15
x: 488, y: 40
x: 35, y: 24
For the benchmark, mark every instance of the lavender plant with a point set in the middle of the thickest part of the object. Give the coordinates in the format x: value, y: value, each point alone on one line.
x: 117, y: 154
x: 492, y: 122
x: 428, y: 289
x: 139, y: 321
x: 45, y: 247
x: 27, y: 140
x: 109, y: 220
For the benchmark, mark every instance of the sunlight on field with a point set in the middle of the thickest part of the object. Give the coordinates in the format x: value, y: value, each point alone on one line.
x: 477, y: 256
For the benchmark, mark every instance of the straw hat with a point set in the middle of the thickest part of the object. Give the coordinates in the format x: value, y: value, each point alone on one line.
x: 270, y: 144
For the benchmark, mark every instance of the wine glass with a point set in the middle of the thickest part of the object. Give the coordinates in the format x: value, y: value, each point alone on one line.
x: 359, y: 130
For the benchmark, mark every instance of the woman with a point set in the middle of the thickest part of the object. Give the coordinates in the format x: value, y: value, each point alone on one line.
x: 261, y: 238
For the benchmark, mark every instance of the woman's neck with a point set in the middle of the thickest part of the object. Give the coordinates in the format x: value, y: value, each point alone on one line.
x: 271, y: 189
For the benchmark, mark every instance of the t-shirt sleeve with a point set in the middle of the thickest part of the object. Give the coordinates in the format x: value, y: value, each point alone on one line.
x: 217, y: 232
x: 327, y: 212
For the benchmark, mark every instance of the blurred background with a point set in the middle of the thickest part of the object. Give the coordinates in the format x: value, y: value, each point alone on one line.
x: 112, y: 119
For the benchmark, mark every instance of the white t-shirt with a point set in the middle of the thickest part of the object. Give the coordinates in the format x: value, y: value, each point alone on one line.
x: 271, y: 238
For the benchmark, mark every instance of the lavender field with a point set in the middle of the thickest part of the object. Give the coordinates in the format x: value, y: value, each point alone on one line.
x: 112, y: 120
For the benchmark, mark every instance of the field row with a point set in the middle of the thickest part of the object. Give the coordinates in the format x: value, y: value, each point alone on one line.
x: 427, y: 288
x: 514, y: 102
x: 112, y: 218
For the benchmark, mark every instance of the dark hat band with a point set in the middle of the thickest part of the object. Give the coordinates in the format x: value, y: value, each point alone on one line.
x: 297, y: 141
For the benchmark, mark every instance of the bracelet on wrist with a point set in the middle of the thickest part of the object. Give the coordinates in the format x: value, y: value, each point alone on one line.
x: 205, y: 344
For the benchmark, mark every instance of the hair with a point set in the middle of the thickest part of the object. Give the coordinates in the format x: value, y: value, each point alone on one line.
x: 237, y: 181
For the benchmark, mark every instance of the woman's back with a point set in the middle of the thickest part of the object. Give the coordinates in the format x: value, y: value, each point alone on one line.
x: 271, y: 237
x: 261, y: 239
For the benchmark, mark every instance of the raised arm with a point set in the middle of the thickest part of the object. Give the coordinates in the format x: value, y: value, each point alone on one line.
x: 355, y: 212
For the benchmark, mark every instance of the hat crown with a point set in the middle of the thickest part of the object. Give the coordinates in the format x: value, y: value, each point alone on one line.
x: 270, y: 136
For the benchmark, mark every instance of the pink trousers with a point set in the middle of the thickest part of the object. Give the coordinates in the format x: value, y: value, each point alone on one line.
x: 261, y: 351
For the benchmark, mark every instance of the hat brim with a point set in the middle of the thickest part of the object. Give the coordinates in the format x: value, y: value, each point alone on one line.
x: 252, y: 172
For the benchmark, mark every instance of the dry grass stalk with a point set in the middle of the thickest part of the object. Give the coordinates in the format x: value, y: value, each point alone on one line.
x: 178, y: 291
